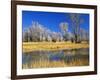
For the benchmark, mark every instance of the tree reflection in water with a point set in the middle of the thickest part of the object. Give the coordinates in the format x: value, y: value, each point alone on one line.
x: 61, y: 58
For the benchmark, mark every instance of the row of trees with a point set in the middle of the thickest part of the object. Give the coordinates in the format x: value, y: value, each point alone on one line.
x: 37, y: 32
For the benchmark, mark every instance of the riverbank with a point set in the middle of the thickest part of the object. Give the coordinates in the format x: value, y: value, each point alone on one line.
x: 35, y: 46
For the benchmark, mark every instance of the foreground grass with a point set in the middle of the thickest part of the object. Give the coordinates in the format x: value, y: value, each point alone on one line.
x: 35, y: 46
x: 51, y: 64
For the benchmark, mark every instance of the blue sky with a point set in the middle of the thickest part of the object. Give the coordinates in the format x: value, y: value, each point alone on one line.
x: 51, y: 20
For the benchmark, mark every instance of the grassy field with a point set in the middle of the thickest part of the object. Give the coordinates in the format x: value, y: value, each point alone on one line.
x: 34, y: 46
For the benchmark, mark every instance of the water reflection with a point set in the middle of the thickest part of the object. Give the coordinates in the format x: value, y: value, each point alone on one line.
x: 67, y: 56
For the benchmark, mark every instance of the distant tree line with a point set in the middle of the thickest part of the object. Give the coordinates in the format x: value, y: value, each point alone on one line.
x: 38, y: 33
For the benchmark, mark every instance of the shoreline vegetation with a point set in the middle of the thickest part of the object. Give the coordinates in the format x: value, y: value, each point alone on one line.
x: 53, y: 64
x: 50, y: 46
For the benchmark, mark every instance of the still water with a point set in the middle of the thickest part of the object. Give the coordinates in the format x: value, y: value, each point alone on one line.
x: 60, y: 58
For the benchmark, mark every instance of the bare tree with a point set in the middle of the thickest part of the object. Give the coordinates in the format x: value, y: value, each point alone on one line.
x: 76, y: 21
x: 64, y: 27
x: 26, y: 35
x: 84, y: 35
x: 64, y: 30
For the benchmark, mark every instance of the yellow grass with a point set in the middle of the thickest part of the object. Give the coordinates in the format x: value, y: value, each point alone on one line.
x: 34, y: 46
x: 51, y: 64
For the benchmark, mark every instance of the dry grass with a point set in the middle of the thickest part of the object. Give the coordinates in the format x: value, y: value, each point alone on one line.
x: 34, y: 46
x: 51, y: 64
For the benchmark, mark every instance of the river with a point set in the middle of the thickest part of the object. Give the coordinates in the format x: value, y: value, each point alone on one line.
x: 60, y: 58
